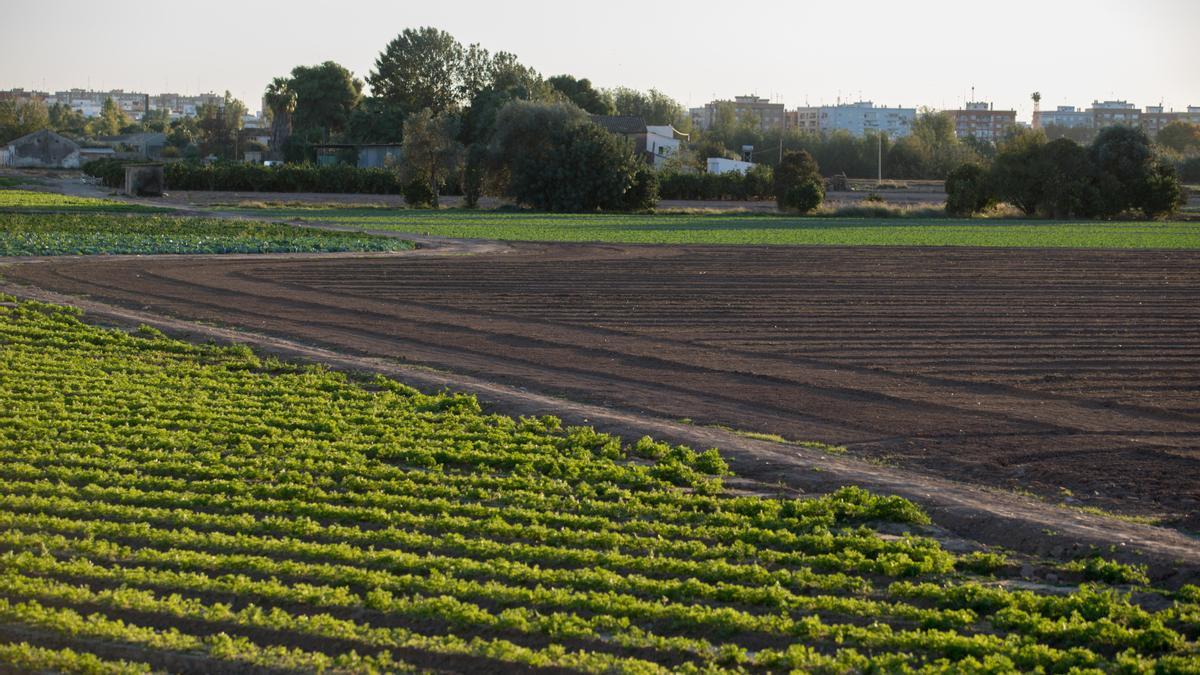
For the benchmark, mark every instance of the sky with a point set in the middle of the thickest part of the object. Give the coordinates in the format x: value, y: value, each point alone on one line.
x: 896, y: 52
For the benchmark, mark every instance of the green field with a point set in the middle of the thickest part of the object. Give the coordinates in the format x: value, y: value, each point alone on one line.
x: 26, y: 200
x: 91, y: 234
x: 166, y: 501
x: 761, y: 229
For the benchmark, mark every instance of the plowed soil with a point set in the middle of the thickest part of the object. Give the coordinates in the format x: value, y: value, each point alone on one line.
x: 1071, y: 373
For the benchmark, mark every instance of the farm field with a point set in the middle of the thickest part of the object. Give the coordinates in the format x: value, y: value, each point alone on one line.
x: 1071, y: 374
x: 173, y: 507
x: 84, y: 226
x: 739, y: 229
x: 27, y: 200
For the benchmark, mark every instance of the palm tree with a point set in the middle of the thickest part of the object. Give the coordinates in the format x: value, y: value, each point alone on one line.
x: 282, y: 101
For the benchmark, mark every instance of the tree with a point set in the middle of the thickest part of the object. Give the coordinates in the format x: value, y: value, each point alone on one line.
x: 550, y: 156
x: 375, y: 121
x: 421, y: 68
x: 935, y: 132
x: 1182, y: 137
x: 908, y: 158
x: 157, y: 120
x: 798, y: 183
x: 111, y: 119
x: 653, y: 106
x: 1068, y: 180
x: 1124, y: 161
x: 581, y: 93
x: 219, y: 126
x: 66, y: 120
x: 325, y: 94
x: 280, y: 100
x: 967, y: 190
x: 18, y: 118
x: 1015, y: 171
x: 431, y: 149
x: 1162, y: 193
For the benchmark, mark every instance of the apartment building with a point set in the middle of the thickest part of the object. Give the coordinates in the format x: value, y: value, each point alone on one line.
x: 1110, y: 113
x: 766, y: 115
x: 1154, y: 118
x: 857, y: 119
x: 982, y: 120
x: 1067, y: 116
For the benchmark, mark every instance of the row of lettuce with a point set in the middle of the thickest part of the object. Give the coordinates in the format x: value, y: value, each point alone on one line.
x: 374, y: 527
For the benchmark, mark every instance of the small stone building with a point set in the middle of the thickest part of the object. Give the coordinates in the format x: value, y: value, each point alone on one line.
x: 43, y: 150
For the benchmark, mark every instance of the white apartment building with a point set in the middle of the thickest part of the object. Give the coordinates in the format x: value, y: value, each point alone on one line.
x: 857, y: 119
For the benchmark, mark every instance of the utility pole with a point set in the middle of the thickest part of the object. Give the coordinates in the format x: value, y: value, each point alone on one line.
x: 879, y: 137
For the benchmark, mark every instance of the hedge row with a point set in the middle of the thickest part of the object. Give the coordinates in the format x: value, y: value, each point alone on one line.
x: 259, y: 178
x: 755, y: 184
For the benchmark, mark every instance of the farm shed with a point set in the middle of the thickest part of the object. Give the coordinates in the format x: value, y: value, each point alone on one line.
x: 43, y: 150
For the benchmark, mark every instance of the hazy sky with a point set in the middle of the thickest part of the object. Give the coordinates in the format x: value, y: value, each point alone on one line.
x: 910, y: 52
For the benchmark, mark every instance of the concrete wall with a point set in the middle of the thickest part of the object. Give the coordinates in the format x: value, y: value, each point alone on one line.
x: 722, y: 165
x: 144, y: 180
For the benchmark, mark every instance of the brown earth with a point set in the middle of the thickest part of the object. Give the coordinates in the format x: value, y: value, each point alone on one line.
x: 1074, y: 374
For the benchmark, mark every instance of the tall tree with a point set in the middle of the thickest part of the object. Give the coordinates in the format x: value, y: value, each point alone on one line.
x: 66, y: 120
x: 326, y: 94
x: 653, y: 106
x: 432, y: 152
x: 1183, y: 137
x: 111, y: 119
x: 581, y: 93
x: 421, y: 68
x: 219, y: 126
x: 18, y: 118
x: 281, y: 103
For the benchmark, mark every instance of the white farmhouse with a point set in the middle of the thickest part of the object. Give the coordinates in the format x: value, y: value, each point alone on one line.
x: 662, y: 142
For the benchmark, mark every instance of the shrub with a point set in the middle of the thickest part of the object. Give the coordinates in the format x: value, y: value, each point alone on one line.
x: 418, y: 193
x: 643, y: 194
x: 967, y: 190
x: 111, y: 172
x: 798, y: 183
x: 1162, y: 194
x: 804, y: 197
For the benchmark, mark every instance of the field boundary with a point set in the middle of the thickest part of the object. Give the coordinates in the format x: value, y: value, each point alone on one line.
x: 991, y: 517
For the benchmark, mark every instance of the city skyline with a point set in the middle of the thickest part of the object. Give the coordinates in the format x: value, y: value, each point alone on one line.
x: 1073, y: 52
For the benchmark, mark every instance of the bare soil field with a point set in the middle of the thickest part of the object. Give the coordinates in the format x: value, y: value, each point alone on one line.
x: 1074, y: 374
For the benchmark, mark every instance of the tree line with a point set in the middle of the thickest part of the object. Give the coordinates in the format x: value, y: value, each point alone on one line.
x: 1116, y: 174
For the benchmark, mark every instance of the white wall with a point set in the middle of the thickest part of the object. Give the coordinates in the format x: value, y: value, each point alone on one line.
x: 661, y: 142
x: 721, y: 165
